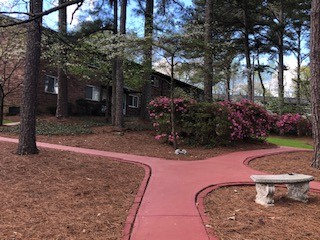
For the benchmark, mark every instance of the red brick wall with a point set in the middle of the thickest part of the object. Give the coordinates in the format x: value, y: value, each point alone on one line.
x: 76, y: 90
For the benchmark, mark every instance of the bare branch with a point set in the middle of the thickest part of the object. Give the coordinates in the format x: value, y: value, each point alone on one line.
x: 37, y: 16
x: 79, y: 5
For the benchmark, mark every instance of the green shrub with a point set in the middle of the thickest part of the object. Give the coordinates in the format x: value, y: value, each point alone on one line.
x: 206, y: 124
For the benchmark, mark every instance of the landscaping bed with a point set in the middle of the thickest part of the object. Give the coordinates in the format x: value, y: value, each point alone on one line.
x: 234, y: 214
x: 62, y: 195
x: 294, y: 162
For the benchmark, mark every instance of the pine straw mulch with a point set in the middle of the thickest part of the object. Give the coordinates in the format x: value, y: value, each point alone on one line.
x: 62, y: 195
x: 234, y: 214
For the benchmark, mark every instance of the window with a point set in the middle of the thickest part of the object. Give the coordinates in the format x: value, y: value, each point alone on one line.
x: 92, y: 93
x: 133, y: 101
x: 51, y: 84
x: 155, y: 81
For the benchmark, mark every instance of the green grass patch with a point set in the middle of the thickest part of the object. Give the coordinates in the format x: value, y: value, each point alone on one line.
x: 289, y: 142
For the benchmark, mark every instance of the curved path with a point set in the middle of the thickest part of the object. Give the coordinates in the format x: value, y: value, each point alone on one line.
x: 168, y: 210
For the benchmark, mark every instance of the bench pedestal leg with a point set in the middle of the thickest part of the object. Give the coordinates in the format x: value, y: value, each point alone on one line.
x: 265, y: 194
x: 298, y: 191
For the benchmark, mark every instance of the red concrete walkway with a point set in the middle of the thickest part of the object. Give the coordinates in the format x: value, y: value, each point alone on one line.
x: 168, y: 210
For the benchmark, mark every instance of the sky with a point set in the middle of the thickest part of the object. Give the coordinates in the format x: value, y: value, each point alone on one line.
x: 136, y: 23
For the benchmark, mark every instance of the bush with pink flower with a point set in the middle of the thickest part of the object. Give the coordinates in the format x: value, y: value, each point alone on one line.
x: 218, y: 123
x: 160, y: 114
x: 293, y: 124
x: 248, y: 120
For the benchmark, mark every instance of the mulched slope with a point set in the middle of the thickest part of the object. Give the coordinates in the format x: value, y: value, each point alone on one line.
x: 61, y: 195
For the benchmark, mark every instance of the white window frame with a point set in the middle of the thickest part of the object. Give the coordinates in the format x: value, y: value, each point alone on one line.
x: 133, y: 103
x: 95, y: 95
x: 55, y: 84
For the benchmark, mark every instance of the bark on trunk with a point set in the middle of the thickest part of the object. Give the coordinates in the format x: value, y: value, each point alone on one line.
x: 119, y: 119
x: 62, y: 99
x: 173, y: 110
x: 1, y: 104
x: 114, y: 66
x: 280, y: 64
x: 27, y: 137
x: 208, y: 61
x: 315, y: 80
x: 299, y: 60
x: 228, y: 85
x: 247, y: 55
x: 261, y: 81
x: 148, y: 33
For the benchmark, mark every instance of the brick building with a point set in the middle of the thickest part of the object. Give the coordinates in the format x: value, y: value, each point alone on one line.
x: 84, y: 96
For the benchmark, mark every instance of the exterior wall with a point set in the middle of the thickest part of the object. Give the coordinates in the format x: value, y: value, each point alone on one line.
x: 133, y: 111
x: 47, y: 102
x: 13, y: 100
x: 12, y: 69
x: 162, y: 89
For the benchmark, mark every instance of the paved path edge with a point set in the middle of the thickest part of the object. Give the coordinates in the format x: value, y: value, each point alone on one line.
x: 200, y: 196
x: 133, y: 211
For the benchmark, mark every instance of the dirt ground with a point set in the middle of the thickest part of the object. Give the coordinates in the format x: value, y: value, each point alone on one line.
x: 59, y: 195
x: 234, y: 214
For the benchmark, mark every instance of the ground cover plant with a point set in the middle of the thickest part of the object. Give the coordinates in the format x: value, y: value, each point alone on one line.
x: 52, y: 126
x: 62, y: 195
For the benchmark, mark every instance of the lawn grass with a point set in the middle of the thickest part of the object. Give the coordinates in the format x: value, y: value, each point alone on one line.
x: 288, y: 142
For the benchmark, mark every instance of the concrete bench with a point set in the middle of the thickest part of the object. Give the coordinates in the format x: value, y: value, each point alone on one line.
x: 297, y: 185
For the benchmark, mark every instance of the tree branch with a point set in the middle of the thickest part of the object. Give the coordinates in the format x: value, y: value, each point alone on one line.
x: 37, y: 16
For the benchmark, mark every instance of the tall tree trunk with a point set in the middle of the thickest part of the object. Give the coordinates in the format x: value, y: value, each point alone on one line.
x: 281, y: 62
x: 27, y: 136
x: 299, y: 60
x: 247, y: 55
x: 1, y: 104
x: 114, y: 66
x: 62, y: 99
x: 119, y: 119
x: 228, y: 76
x: 315, y: 80
x: 148, y: 34
x: 261, y: 80
x: 208, y: 58
x: 172, y: 105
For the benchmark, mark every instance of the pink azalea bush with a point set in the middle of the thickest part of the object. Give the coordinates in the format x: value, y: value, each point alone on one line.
x: 248, y: 120
x: 160, y: 114
x: 210, y: 123
x: 293, y: 124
